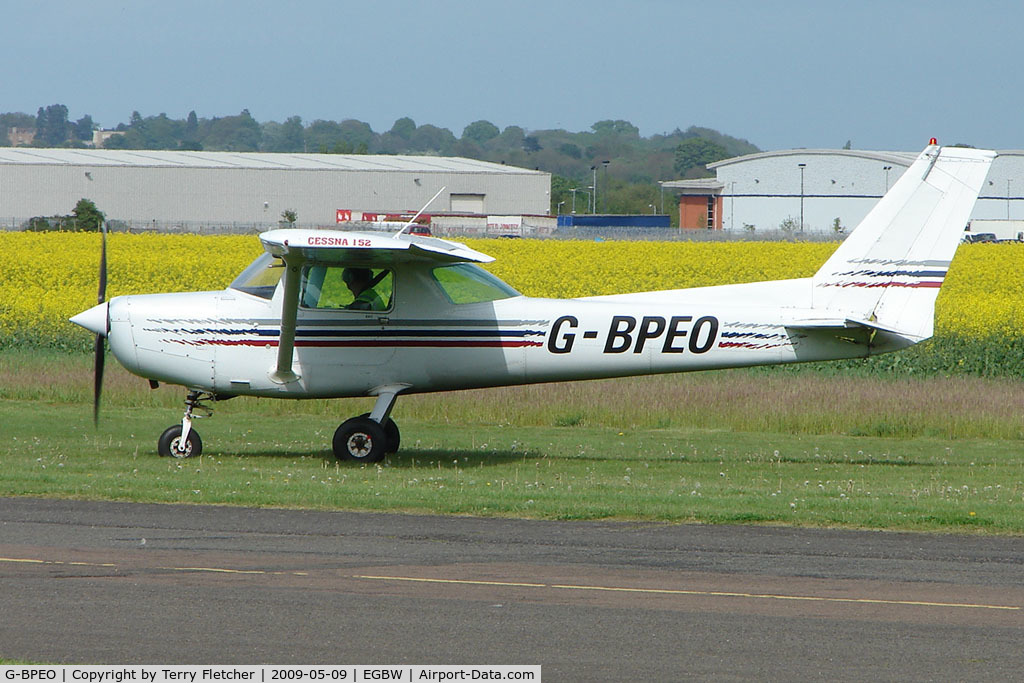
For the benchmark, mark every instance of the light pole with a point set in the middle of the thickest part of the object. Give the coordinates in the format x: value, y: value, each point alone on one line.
x: 558, y: 209
x: 887, y: 169
x: 574, y: 190
x: 593, y: 170
x: 732, y: 206
x: 604, y: 198
x: 802, y: 167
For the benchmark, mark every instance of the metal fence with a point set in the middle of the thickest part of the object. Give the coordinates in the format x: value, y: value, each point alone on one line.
x: 191, y: 227
x: 561, y: 233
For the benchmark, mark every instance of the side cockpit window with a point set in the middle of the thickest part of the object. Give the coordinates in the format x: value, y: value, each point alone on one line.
x: 346, y: 288
x: 465, y: 283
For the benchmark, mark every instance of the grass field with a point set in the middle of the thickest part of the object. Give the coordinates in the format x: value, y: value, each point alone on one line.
x: 803, y: 448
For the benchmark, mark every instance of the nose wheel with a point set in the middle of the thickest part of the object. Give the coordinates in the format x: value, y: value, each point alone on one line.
x: 171, y: 445
x: 180, y: 440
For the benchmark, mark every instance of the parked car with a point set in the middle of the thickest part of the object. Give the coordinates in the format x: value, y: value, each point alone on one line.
x: 972, y: 237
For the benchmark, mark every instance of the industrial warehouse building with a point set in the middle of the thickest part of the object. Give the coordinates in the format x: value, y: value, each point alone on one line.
x: 249, y: 191
x: 762, y: 192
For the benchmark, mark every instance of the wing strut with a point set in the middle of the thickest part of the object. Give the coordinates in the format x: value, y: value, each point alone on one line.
x: 283, y: 373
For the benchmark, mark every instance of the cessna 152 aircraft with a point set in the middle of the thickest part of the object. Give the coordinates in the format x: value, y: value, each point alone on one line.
x: 326, y: 314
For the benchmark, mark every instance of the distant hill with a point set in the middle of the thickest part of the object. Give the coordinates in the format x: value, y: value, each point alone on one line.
x: 573, y: 158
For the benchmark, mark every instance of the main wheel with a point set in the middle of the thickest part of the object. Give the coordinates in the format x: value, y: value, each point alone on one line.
x: 361, y: 440
x: 169, y: 444
x: 391, y: 432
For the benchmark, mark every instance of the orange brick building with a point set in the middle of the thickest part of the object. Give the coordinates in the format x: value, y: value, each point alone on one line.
x: 700, y: 203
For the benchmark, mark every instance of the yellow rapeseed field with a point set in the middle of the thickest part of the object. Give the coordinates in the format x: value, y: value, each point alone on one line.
x: 48, y: 277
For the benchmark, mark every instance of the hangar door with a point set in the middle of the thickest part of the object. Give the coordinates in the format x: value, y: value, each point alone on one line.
x: 467, y: 203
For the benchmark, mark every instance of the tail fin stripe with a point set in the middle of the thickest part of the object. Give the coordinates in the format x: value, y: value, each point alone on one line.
x: 870, y: 285
x: 900, y: 262
x: 892, y: 273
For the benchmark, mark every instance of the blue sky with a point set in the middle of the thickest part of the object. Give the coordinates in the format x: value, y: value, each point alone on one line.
x: 884, y: 75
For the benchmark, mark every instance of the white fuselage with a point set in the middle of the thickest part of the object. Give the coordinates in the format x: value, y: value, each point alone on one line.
x: 226, y: 342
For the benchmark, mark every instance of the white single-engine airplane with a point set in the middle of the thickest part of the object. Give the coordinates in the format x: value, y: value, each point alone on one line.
x: 326, y: 314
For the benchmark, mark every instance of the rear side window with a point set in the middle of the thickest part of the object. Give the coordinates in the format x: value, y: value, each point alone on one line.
x: 464, y: 283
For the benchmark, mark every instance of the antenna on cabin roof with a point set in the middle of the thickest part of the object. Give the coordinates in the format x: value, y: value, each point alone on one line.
x: 413, y: 219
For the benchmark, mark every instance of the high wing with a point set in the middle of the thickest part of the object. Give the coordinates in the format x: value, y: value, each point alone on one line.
x: 370, y: 249
x: 298, y: 247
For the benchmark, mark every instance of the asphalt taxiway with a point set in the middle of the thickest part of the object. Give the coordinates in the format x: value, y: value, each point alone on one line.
x: 95, y: 582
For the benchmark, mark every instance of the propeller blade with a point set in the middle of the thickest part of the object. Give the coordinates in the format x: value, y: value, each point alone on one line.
x: 102, y: 294
x: 99, y: 356
x: 98, y: 361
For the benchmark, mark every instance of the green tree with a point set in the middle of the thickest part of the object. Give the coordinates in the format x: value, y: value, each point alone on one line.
x: 512, y: 137
x: 570, y: 150
x: 403, y: 128
x: 428, y: 138
x: 84, y: 127
x: 191, y: 131
x: 87, y: 216
x: 697, y: 152
x: 238, y: 133
x: 118, y: 142
x: 52, y: 126
x: 560, y: 194
x: 480, y: 132
x: 618, y: 127
x: 283, y: 137
x: 323, y: 135
x: 161, y: 132
x: 359, y: 136
x: 293, y: 134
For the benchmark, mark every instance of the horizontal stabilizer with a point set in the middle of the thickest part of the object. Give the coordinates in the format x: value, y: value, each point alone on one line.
x: 844, y: 324
x: 879, y: 338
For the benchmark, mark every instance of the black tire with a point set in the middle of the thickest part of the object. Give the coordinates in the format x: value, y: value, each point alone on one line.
x: 167, y: 446
x: 391, y: 432
x: 360, y: 440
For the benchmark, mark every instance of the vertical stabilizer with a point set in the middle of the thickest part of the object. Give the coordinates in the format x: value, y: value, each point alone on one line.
x: 890, y: 268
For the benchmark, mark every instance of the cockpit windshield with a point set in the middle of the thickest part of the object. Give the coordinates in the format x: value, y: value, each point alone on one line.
x: 261, y: 277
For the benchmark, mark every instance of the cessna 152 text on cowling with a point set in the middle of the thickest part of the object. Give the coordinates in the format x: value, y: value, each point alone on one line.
x: 327, y: 314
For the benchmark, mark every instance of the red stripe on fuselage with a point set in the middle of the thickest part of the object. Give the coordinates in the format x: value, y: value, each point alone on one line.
x: 455, y: 344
